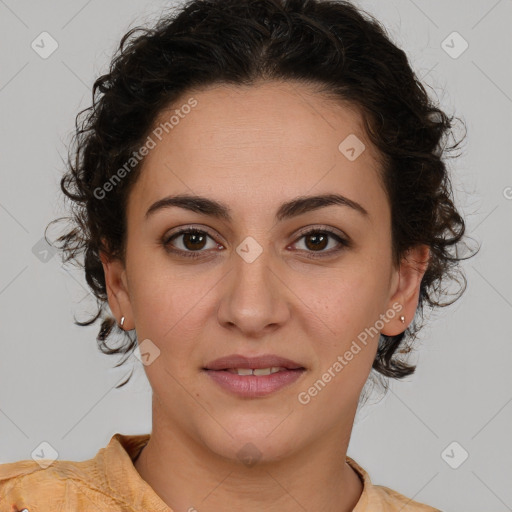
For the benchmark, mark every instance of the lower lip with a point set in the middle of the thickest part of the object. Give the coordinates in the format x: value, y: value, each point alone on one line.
x: 254, y: 386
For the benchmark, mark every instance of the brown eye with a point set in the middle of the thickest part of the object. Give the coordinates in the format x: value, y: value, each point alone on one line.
x: 317, y: 242
x: 189, y: 242
x: 194, y: 241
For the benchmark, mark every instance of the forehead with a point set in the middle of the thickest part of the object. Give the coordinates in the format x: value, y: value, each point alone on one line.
x: 280, y: 114
x: 267, y: 141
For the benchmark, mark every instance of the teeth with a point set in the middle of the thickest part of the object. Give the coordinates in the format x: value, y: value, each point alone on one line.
x: 243, y: 371
x: 256, y: 371
x: 266, y: 371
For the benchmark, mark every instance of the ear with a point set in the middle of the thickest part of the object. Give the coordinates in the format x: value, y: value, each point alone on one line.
x: 406, y: 290
x: 117, y: 290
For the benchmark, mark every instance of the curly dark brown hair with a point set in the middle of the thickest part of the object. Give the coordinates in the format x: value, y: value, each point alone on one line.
x: 330, y: 44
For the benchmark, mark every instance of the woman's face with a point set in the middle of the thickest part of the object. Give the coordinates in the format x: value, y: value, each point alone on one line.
x: 257, y: 285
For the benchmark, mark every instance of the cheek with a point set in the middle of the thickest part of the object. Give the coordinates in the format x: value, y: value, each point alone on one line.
x: 345, y: 346
x: 170, y: 310
x: 165, y: 297
x: 345, y: 299
x: 339, y: 309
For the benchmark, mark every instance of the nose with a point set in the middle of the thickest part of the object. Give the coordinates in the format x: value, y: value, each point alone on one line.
x: 254, y: 299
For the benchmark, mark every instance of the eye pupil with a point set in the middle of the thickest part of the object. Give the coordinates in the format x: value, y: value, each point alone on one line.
x: 195, y: 239
x: 319, y: 241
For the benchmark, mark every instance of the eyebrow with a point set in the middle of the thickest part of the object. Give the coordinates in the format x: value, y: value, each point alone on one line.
x: 287, y: 210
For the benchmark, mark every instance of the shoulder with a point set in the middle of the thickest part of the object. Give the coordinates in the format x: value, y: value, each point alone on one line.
x: 377, y: 498
x: 394, y: 501
x: 54, y: 486
x: 27, y: 472
x: 99, y: 483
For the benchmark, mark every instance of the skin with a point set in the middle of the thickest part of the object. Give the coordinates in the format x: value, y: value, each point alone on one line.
x: 253, y: 148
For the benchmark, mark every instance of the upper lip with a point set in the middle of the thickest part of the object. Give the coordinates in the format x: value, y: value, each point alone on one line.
x: 263, y: 361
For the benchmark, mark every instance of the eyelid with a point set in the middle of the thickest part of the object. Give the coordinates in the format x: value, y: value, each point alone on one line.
x: 323, y: 228
x: 194, y: 227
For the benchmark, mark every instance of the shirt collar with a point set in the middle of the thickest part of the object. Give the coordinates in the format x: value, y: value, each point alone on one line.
x: 122, y: 479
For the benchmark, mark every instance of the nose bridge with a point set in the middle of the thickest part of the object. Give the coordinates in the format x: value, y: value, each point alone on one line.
x: 254, y: 297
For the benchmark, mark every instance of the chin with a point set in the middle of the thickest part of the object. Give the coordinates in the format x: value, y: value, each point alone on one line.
x: 251, y: 444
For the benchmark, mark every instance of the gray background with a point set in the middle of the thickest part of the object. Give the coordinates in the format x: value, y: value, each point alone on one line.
x: 57, y: 387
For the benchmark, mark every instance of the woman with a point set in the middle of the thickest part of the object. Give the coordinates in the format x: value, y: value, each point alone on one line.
x: 260, y: 195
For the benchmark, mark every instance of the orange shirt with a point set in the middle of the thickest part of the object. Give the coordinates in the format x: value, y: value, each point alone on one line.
x: 109, y: 482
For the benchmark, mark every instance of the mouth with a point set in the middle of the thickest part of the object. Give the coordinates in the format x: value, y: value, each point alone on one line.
x: 253, y: 377
x: 260, y: 365
x: 258, y: 371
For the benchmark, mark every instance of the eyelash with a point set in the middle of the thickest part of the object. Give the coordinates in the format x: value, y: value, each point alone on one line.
x: 344, y: 243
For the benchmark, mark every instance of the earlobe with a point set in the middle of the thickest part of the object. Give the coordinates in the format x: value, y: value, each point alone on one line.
x: 410, y: 274
x: 117, y: 291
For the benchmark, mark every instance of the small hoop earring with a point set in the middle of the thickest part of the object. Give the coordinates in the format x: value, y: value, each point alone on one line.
x: 122, y: 321
x: 402, y: 319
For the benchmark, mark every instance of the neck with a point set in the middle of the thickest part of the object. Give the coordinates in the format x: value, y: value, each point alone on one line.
x: 187, y: 476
